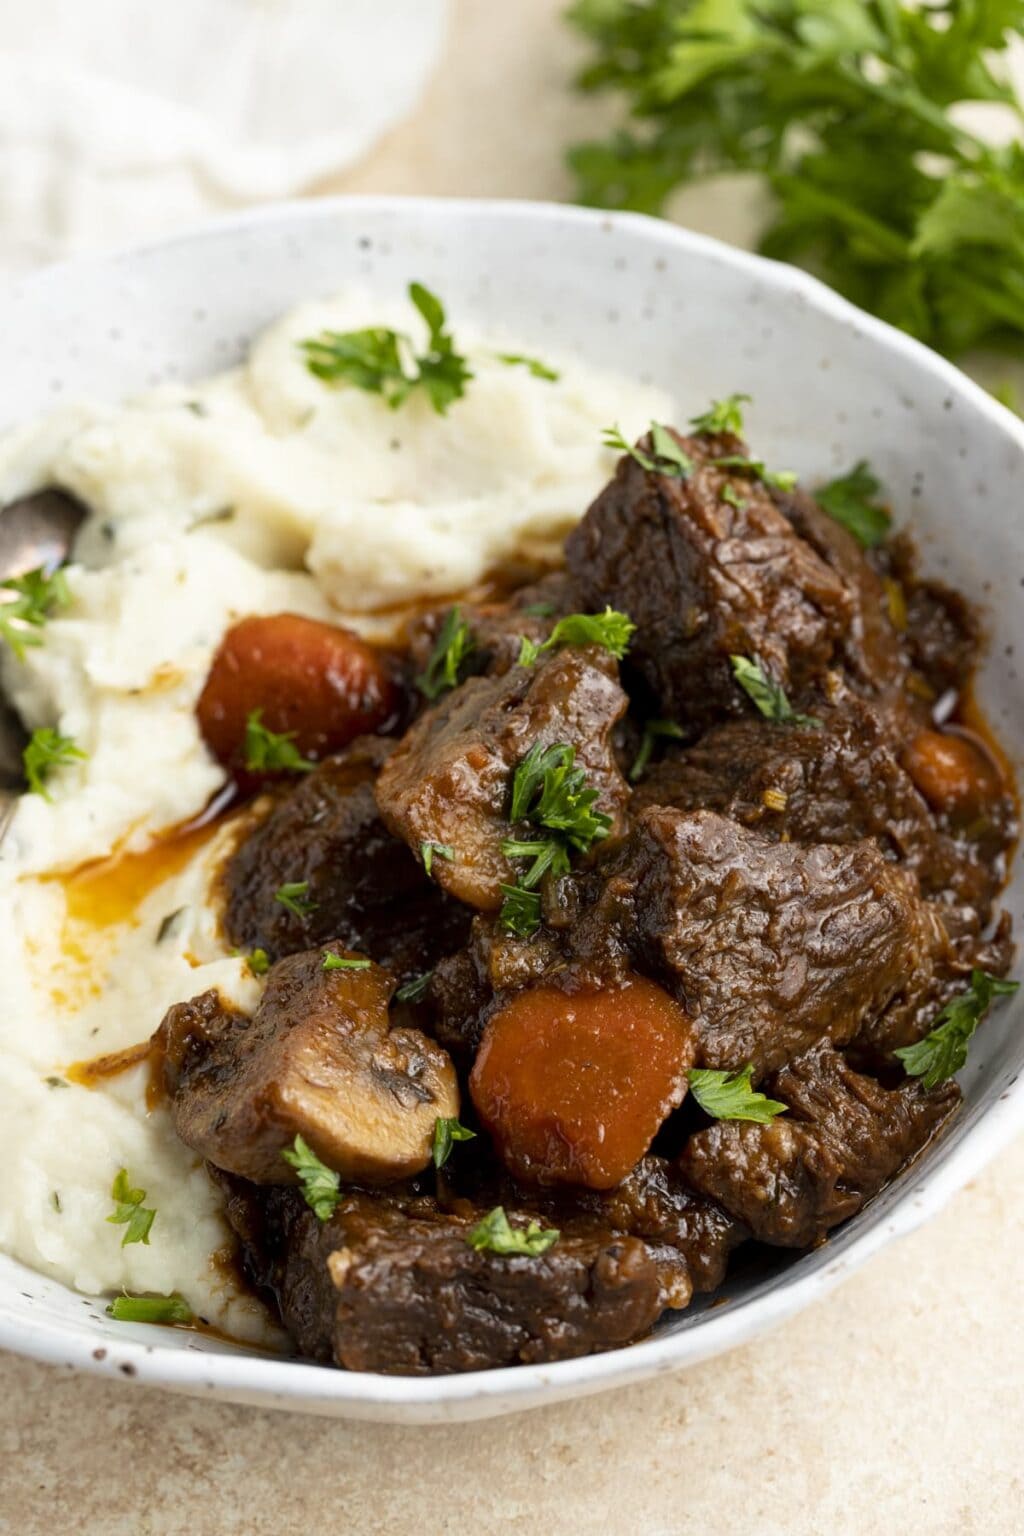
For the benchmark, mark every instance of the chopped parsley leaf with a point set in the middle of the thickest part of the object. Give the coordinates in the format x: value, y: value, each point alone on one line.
x: 732, y: 497
x: 495, y: 1234
x: 729, y: 1095
x: 610, y: 629
x: 37, y: 595
x: 320, y: 1184
x: 722, y: 416
x: 667, y: 459
x: 344, y: 963
x: 533, y: 365
x: 292, y: 897
x: 414, y: 991
x: 47, y: 750
x: 446, y: 1133
x: 781, y: 480
x: 654, y: 730
x: 520, y: 911
x: 852, y: 500
x: 549, y: 791
x: 258, y: 962
x: 451, y: 650
x: 384, y: 362
x: 942, y: 1053
x: 150, y: 1309
x: 269, y: 751
x: 769, y: 696
x: 430, y: 851
x: 129, y: 1210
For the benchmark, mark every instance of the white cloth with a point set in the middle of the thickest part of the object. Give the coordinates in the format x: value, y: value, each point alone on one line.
x: 121, y: 120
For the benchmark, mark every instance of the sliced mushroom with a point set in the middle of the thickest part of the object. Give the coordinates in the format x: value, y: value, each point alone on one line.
x: 318, y: 1059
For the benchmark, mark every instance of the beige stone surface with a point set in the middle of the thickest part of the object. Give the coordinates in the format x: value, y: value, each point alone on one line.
x: 895, y: 1406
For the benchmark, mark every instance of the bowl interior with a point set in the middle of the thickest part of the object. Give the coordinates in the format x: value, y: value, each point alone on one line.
x: 829, y: 386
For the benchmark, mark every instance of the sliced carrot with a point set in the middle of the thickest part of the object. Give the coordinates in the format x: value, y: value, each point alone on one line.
x: 953, y: 775
x: 317, y: 680
x: 573, y: 1086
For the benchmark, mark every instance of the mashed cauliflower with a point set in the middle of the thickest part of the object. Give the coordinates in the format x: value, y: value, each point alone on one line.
x: 260, y: 491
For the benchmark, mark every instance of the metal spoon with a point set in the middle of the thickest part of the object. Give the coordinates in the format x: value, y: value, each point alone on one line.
x: 37, y: 531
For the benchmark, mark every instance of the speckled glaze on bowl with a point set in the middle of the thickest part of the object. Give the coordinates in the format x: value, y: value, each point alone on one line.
x: 698, y: 319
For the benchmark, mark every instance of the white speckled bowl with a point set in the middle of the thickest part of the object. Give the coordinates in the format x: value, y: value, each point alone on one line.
x: 700, y: 320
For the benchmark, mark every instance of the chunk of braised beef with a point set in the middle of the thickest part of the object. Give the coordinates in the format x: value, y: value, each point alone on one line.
x: 389, y: 1283
x: 318, y: 1059
x: 413, y: 1298
x: 843, y: 1138
x: 871, y: 651
x: 838, y: 784
x: 769, y: 946
x: 449, y: 781
x: 939, y: 629
x: 358, y: 884
x: 707, y: 566
x: 654, y: 1203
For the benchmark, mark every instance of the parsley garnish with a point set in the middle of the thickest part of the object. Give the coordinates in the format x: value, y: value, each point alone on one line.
x: 520, y: 911
x: 769, y: 696
x: 47, y: 750
x: 732, y: 498
x: 428, y: 852
x: 547, y: 854
x: 495, y: 1234
x: 851, y: 500
x: 343, y: 963
x: 37, y: 594
x: 549, y: 791
x: 942, y: 1053
x: 446, y: 1133
x: 722, y: 416
x: 654, y: 730
x: 150, y: 1309
x: 610, y: 629
x: 168, y: 923
x: 385, y: 362
x: 843, y: 109
x: 293, y: 898
x: 668, y: 457
x: 451, y: 649
x: 729, y: 1095
x: 268, y: 751
x: 535, y: 367
x: 414, y: 991
x: 258, y: 962
x: 320, y: 1184
x: 129, y: 1210
x: 781, y: 479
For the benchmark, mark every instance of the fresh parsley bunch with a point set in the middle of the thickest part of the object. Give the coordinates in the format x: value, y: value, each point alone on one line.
x: 844, y: 106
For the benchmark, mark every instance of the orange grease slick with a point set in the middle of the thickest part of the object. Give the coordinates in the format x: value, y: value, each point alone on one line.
x: 110, y: 891
x: 103, y: 899
x: 573, y: 1086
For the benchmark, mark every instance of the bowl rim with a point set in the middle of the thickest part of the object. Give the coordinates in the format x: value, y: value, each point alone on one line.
x: 287, y: 1382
